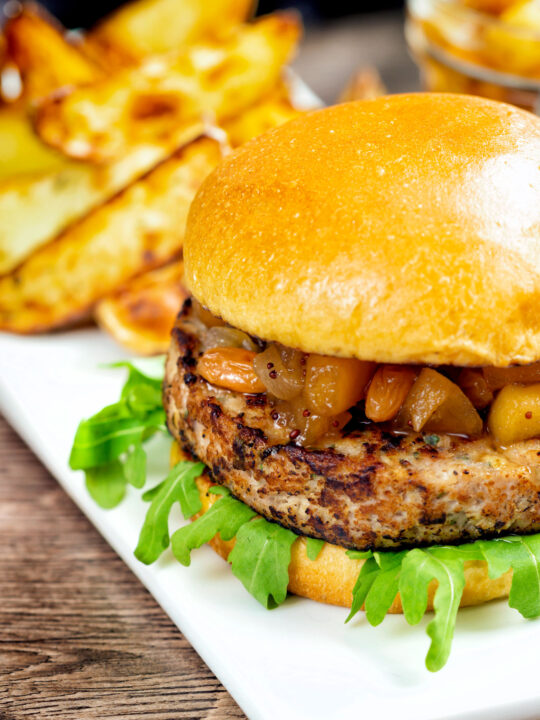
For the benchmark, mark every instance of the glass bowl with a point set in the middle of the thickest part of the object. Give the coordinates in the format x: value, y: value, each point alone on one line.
x: 462, y: 49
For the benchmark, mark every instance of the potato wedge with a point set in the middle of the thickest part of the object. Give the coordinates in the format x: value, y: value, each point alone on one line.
x: 271, y: 111
x: 36, y: 44
x: 42, y: 192
x: 141, y: 314
x: 21, y: 150
x: 149, y: 27
x: 364, y: 84
x: 139, y: 229
x: 170, y: 92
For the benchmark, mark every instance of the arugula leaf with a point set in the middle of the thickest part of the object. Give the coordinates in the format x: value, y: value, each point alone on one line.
x: 420, y: 567
x: 369, y: 571
x: 384, y: 587
x: 522, y: 554
x: 179, y: 486
x: 135, y: 466
x: 147, y: 369
x: 109, y: 447
x: 99, y: 441
x: 359, y: 554
x: 150, y: 494
x: 111, y: 432
x: 143, y: 399
x: 313, y: 547
x: 260, y: 560
x: 218, y: 490
x: 450, y: 575
x: 226, y: 516
x: 143, y: 373
x: 106, y: 484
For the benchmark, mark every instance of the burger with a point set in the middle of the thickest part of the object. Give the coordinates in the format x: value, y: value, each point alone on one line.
x: 358, y: 367
x: 360, y: 359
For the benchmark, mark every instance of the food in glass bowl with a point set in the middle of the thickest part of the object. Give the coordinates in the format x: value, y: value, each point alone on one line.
x: 480, y: 47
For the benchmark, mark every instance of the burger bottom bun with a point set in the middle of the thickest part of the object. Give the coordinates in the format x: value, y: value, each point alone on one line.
x: 332, y: 576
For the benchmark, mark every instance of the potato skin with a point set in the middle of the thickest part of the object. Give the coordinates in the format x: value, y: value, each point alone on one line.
x: 138, y: 230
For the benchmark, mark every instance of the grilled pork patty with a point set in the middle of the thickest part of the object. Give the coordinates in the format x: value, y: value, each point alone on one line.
x: 360, y: 488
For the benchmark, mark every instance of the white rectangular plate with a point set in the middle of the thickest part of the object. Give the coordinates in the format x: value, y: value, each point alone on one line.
x: 299, y: 661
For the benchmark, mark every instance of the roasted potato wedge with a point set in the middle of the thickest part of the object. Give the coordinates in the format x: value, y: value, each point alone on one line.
x: 150, y: 27
x: 273, y: 110
x: 140, y: 228
x: 170, y: 92
x: 141, y: 314
x: 42, y: 192
x: 36, y: 44
x: 365, y: 84
x: 22, y: 152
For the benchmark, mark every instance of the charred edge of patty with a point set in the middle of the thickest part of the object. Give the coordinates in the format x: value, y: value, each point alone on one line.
x: 248, y: 452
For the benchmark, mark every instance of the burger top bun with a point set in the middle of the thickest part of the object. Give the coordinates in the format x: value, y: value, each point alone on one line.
x: 402, y: 229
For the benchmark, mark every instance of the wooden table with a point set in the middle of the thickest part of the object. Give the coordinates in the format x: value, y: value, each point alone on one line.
x: 80, y: 637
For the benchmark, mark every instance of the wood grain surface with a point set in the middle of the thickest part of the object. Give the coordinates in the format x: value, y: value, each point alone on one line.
x: 80, y: 637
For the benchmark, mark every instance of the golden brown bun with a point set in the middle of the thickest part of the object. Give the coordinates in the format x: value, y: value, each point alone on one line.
x: 331, y: 577
x: 402, y: 229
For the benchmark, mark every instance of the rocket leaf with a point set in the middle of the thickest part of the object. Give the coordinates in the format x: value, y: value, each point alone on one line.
x: 179, y: 486
x: 313, y: 547
x: 226, y: 516
x: 260, y: 560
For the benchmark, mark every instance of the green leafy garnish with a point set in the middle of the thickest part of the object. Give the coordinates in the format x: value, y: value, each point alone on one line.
x: 359, y: 554
x: 419, y: 568
x: 313, y: 547
x: 112, y: 431
x: 135, y: 466
x: 226, y: 516
x: 150, y: 494
x: 106, y: 484
x: 179, y: 486
x: 523, y: 555
x: 363, y: 584
x: 384, y: 587
x: 260, y: 560
x: 109, y: 448
x: 102, y: 439
x: 109, y: 444
x: 412, y: 571
x: 218, y: 490
x: 262, y: 553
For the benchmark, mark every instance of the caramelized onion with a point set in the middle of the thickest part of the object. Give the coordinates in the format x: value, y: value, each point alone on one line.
x: 497, y: 378
x: 281, y: 371
x: 223, y: 336
x: 474, y: 385
x: 313, y: 428
x: 204, y: 315
x: 428, y: 393
x: 333, y: 384
x: 304, y: 427
x: 436, y: 404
